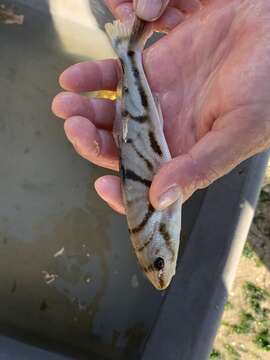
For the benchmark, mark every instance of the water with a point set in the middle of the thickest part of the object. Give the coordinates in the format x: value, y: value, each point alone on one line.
x: 68, y: 276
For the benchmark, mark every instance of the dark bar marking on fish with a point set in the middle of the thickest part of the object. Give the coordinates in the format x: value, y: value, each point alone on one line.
x: 125, y: 89
x: 146, y: 243
x: 144, y: 246
x: 148, y: 268
x: 144, y: 221
x: 136, y: 72
x: 163, y: 231
x: 143, y: 95
x: 122, y: 64
x: 140, y: 119
x: 159, y: 263
x: 131, y: 175
x: 119, y: 41
x: 122, y: 172
x: 125, y: 113
x: 161, y: 282
x: 148, y: 163
x: 166, y: 236
x: 129, y: 202
x: 154, y: 144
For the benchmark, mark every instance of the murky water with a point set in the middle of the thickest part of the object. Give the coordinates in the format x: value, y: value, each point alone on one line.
x: 68, y: 275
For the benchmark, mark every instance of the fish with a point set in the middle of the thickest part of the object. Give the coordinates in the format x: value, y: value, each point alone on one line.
x: 138, y: 133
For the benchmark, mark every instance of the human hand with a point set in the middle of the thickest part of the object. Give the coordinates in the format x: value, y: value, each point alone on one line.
x: 166, y: 14
x: 214, y: 97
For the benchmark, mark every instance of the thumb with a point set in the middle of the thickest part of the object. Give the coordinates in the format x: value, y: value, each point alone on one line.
x: 213, y: 156
x: 150, y: 10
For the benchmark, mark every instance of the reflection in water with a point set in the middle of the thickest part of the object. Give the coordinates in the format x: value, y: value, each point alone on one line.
x: 134, y: 281
x: 82, y: 37
x: 81, y: 277
x: 7, y: 16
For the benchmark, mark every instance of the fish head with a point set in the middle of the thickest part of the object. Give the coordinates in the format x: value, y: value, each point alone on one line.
x: 159, y: 264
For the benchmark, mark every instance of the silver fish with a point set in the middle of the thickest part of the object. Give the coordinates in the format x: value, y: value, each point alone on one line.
x: 155, y: 235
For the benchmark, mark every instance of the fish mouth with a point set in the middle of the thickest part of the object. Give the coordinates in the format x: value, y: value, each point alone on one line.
x: 160, y: 284
x: 159, y: 281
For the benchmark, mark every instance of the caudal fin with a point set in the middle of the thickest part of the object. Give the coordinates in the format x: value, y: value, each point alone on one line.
x: 127, y: 35
x: 119, y: 34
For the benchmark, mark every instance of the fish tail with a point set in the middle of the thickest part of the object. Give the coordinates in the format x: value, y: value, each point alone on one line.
x: 129, y: 35
x: 119, y: 34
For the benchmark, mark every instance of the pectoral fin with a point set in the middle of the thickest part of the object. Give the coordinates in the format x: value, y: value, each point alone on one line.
x: 160, y: 116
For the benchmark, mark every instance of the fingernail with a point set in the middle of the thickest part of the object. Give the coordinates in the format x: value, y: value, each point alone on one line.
x: 169, y: 197
x: 148, y: 10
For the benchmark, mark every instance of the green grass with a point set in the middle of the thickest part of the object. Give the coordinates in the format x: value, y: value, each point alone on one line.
x: 248, y: 251
x: 245, y: 325
x: 262, y: 340
x: 265, y: 315
x: 226, y: 323
x: 233, y: 353
x: 258, y: 262
x: 216, y: 355
x: 255, y: 296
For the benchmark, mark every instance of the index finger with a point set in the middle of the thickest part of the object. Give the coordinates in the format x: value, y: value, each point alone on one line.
x: 91, y: 76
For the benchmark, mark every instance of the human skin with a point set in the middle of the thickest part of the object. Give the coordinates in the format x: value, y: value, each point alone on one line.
x: 211, y: 75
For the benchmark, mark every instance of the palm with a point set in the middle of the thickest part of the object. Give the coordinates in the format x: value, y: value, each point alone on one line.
x: 202, y: 75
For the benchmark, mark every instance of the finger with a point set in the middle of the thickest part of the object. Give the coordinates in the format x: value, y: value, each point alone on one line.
x: 108, y: 188
x: 121, y: 9
x: 91, y: 76
x: 169, y: 20
x: 101, y: 112
x: 92, y: 144
x: 150, y: 10
x: 213, y: 156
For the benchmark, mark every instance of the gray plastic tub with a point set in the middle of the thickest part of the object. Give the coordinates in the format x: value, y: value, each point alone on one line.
x: 70, y: 287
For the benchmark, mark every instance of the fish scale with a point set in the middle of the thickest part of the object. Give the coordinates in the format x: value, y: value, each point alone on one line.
x: 155, y: 234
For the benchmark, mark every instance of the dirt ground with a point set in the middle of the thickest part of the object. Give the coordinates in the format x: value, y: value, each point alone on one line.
x: 244, y: 332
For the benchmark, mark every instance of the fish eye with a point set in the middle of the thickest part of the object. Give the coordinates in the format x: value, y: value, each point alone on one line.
x: 159, y: 263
